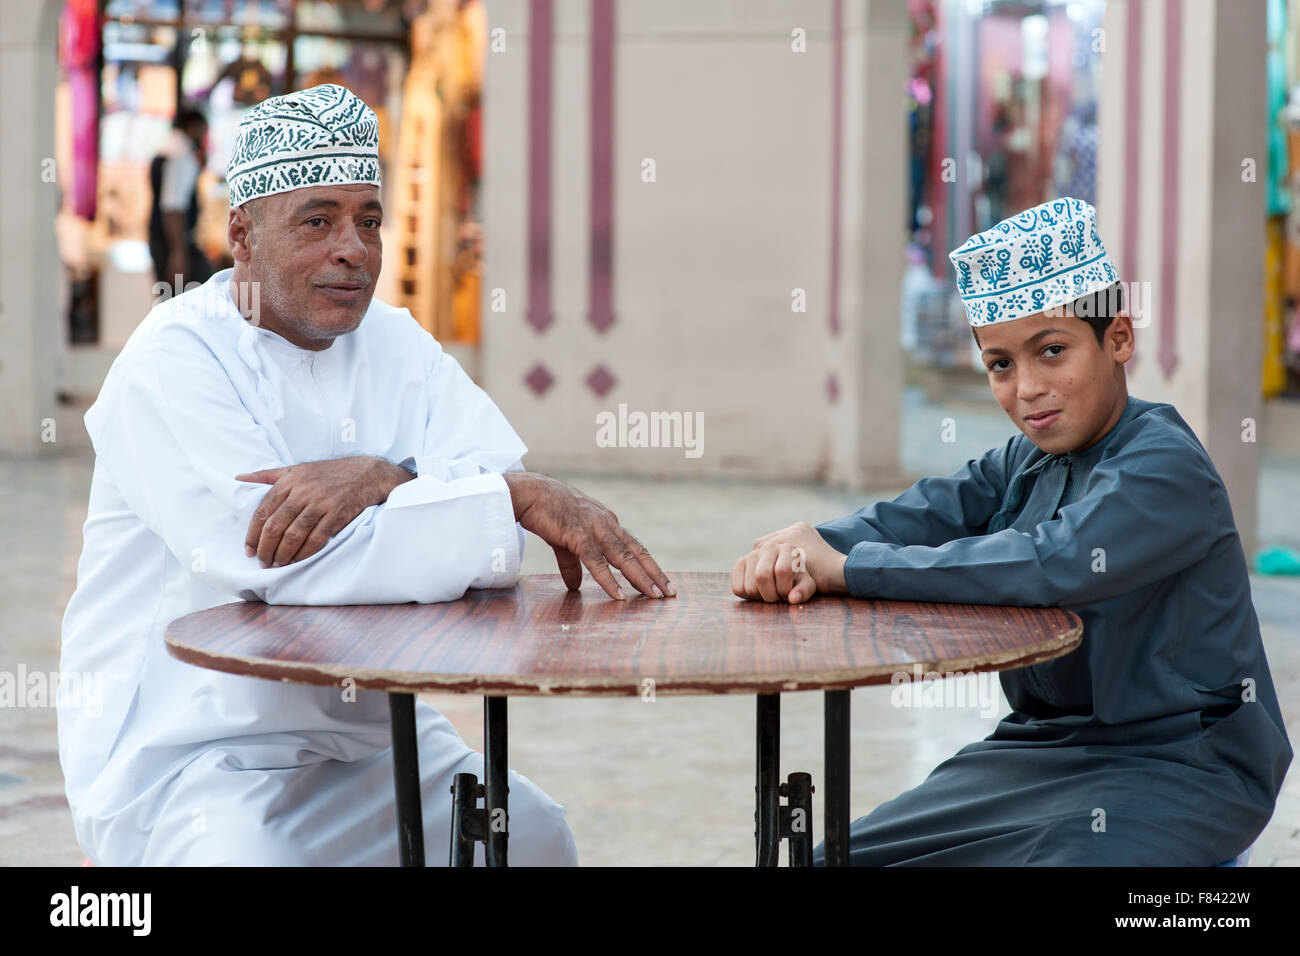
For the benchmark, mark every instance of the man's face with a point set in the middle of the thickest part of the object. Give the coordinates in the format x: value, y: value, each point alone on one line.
x: 1053, y: 364
x: 316, y: 254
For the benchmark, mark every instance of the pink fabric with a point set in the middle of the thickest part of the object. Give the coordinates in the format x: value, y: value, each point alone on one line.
x: 79, y: 29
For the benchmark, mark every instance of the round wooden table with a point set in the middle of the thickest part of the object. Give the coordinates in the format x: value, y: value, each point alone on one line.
x: 539, y: 638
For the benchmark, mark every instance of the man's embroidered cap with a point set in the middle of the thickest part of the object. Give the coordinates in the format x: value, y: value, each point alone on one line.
x: 323, y: 136
x: 1042, y: 258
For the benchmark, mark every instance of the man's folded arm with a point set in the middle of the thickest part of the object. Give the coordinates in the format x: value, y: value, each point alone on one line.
x: 174, y: 435
x: 1145, y: 515
x: 932, y: 511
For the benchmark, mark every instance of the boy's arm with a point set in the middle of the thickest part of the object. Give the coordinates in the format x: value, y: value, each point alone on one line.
x: 932, y: 511
x: 1150, y: 511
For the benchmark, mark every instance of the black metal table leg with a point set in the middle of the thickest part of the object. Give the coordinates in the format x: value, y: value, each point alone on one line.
x: 767, y: 831
x: 406, y: 779
x: 796, y: 818
x: 466, y: 819
x: 496, y: 794
x: 836, y: 742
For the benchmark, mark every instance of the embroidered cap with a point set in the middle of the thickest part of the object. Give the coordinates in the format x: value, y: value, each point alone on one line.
x: 323, y: 136
x: 1042, y: 258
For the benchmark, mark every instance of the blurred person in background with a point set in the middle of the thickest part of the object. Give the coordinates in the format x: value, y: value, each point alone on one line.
x: 174, y: 177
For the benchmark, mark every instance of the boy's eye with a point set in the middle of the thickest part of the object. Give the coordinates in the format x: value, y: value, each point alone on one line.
x: 993, y: 367
x: 1054, y: 354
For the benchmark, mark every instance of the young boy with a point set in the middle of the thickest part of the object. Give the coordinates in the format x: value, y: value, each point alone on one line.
x: 1159, y: 741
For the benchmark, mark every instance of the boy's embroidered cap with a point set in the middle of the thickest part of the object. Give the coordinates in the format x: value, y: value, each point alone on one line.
x: 1036, y: 260
x: 323, y: 136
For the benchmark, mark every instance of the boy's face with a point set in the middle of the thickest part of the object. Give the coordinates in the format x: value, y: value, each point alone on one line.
x: 1054, y: 365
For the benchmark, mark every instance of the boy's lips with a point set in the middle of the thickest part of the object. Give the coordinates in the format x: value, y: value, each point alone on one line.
x: 1043, y: 419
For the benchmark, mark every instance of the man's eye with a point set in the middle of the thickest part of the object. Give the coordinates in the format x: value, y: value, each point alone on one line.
x: 372, y: 223
x: 316, y: 221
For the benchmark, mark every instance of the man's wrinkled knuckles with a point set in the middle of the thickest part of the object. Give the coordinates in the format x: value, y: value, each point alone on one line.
x: 594, y: 560
x: 311, y: 515
x: 296, y: 534
x: 611, y: 543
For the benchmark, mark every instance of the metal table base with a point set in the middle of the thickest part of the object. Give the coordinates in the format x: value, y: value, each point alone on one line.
x: 470, y: 823
x: 792, y: 821
x: 489, y: 824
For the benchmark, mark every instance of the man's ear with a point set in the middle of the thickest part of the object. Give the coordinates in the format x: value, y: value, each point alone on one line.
x: 1119, y: 337
x: 239, y: 234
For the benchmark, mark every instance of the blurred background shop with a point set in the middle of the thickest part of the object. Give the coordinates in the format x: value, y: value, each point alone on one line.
x: 128, y: 66
x: 1009, y: 90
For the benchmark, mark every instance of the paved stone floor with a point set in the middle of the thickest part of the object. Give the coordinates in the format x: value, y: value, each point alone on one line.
x: 663, y: 783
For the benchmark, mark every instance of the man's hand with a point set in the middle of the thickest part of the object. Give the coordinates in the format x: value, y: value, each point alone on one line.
x: 792, y: 564
x: 310, y: 503
x: 582, y: 531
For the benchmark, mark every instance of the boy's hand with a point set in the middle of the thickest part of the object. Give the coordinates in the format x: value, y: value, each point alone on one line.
x: 792, y: 564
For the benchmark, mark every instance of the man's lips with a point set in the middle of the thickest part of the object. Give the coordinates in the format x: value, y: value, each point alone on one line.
x: 343, y: 291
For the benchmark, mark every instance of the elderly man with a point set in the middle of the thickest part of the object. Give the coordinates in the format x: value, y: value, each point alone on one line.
x: 392, y: 478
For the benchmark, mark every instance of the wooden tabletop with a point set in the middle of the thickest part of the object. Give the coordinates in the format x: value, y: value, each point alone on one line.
x: 540, y: 638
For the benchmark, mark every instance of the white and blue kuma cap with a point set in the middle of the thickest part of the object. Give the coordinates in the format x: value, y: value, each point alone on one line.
x: 1042, y: 258
x: 323, y: 136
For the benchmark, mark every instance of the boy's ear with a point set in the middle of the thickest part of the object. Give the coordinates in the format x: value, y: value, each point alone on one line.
x: 1120, y: 337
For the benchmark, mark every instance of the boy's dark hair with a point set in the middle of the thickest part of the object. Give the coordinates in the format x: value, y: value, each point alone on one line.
x: 1099, y: 308
x: 1096, y: 308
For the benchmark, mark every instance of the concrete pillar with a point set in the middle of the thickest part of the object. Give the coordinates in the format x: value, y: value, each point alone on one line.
x: 866, y: 356
x: 30, y: 322
x: 1183, y: 106
x: 721, y: 130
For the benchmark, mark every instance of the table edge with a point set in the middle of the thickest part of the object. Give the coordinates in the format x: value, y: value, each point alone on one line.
x: 604, y: 686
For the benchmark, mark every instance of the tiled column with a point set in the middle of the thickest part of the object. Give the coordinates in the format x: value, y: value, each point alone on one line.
x: 29, y: 259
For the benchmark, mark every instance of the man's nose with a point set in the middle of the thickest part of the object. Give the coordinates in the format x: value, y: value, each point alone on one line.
x: 348, y: 247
